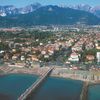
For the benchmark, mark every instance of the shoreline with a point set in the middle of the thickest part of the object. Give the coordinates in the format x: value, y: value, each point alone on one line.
x: 26, y: 71
x: 54, y: 76
x: 57, y: 72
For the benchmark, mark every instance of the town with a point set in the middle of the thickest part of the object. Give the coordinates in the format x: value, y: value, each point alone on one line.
x: 38, y: 47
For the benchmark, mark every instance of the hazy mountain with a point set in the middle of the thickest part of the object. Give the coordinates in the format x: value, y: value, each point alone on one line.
x: 50, y: 15
x: 29, y: 8
x: 82, y: 7
x: 95, y: 10
x: 6, y: 10
x: 12, y: 10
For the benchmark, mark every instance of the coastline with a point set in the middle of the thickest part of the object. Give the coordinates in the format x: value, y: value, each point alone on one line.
x: 39, y: 72
x: 57, y: 72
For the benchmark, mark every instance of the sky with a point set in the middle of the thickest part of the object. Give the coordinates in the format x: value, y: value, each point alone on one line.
x: 22, y: 3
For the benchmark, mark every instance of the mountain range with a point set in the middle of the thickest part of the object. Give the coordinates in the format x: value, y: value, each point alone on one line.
x: 95, y: 10
x: 36, y: 14
x: 12, y: 10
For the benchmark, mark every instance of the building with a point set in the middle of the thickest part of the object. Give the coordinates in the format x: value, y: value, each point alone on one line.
x: 90, y: 57
x: 98, y: 56
x: 74, y: 57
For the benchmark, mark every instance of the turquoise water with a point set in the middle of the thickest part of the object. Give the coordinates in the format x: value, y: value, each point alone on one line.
x: 11, y: 86
x: 94, y: 92
x: 58, y: 89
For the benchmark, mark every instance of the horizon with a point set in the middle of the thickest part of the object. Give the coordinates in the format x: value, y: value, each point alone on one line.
x: 47, y: 2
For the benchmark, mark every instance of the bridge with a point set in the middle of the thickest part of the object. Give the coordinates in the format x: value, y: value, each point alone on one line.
x: 35, y: 85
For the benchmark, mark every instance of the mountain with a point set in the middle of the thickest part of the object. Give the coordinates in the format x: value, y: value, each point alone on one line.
x: 48, y: 15
x: 5, y: 10
x: 82, y: 7
x: 95, y: 10
x: 12, y: 10
x: 29, y: 8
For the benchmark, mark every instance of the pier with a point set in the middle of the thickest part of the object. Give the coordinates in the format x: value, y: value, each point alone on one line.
x: 35, y: 85
x: 83, y: 95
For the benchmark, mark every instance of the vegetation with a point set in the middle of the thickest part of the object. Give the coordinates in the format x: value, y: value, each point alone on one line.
x: 88, y: 52
x: 3, y: 46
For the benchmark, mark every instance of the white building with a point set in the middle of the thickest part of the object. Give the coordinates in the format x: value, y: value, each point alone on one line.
x: 98, y: 56
x: 74, y: 57
x: 22, y: 58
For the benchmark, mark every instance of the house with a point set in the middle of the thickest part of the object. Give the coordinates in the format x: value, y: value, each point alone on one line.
x: 90, y: 57
x: 34, y: 58
x: 43, y: 52
x: 22, y: 58
x: 74, y: 57
x: 15, y: 56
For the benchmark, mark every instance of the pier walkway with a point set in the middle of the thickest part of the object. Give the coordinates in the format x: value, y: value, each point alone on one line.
x: 84, y: 93
x: 35, y: 85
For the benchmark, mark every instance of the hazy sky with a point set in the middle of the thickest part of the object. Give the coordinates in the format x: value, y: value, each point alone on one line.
x: 21, y: 3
